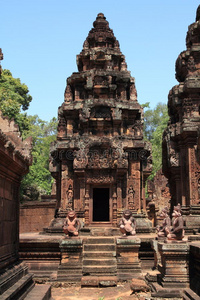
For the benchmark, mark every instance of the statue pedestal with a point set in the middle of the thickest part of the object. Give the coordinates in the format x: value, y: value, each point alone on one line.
x: 174, y: 269
x: 128, y: 263
x: 174, y: 264
x: 70, y: 268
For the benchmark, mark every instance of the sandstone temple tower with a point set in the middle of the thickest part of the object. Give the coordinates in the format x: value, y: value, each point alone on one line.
x: 181, y: 138
x: 100, y: 160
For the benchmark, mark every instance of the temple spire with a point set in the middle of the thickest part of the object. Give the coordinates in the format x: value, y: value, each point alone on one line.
x: 101, y: 35
x: 198, y: 13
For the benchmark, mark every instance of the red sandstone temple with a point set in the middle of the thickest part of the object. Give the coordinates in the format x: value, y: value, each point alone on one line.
x: 100, y: 160
x: 181, y: 138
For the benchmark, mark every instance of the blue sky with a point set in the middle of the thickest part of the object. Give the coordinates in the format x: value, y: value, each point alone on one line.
x: 41, y: 38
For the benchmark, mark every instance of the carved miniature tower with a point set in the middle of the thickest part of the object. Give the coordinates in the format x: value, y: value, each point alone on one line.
x: 180, y: 139
x: 100, y: 160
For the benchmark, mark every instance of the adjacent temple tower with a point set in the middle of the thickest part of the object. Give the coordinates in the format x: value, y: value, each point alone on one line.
x: 100, y: 160
x: 181, y: 141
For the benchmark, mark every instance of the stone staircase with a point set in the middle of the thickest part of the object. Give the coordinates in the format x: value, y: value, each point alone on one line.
x: 99, y: 262
x: 16, y: 283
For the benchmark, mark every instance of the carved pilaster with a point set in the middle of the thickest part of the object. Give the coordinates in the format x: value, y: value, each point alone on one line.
x: 87, y: 206
x: 114, y: 204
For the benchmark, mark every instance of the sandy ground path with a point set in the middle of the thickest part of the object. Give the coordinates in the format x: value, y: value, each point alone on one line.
x: 121, y: 292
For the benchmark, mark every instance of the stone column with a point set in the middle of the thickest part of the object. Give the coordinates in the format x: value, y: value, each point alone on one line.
x: 87, y: 206
x: 119, y: 193
x: 114, y: 206
x: 128, y: 263
x: 70, y: 268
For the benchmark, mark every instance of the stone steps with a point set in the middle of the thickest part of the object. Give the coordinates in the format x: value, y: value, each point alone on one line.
x: 190, y: 295
x: 99, y: 247
x: 94, y: 254
x: 99, y: 259
x: 99, y: 240
x: 39, y: 292
x: 19, y: 289
x: 99, y: 270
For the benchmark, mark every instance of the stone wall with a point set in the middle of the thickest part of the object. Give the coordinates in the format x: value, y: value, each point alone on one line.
x: 15, y: 159
x: 35, y: 215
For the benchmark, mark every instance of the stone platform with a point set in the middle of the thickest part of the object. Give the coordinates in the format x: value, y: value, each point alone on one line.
x: 105, y: 258
x: 99, y: 260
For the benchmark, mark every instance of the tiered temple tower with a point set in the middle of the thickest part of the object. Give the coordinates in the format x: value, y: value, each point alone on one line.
x: 180, y: 139
x: 100, y: 160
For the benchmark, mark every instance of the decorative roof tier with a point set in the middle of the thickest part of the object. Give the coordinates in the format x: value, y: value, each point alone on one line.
x: 187, y: 63
x: 102, y: 68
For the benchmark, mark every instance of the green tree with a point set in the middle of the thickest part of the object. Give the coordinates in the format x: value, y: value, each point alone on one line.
x: 38, y: 180
x: 14, y: 97
x: 155, y: 121
x: 153, y: 118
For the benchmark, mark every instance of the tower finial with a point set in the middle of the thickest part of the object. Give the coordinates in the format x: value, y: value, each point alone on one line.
x: 198, y: 13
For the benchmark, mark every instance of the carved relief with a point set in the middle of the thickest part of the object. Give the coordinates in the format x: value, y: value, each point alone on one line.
x: 191, y: 64
x: 80, y: 160
x: 70, y: 198
x: 100, y: 176
x: 195, y: 175
x: 131, y: 195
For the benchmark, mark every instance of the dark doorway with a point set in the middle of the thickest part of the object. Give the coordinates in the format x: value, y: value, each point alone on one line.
x: 101, y: 205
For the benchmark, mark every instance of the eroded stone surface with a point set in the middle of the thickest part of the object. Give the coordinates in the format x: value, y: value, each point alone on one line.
x: 139, y: 285
x: 15, y: 159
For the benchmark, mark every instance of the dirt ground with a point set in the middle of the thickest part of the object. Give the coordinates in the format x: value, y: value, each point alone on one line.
x: 120, y: 292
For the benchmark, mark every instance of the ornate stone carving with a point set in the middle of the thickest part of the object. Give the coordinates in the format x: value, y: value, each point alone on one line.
x: 99, y: 176
x: 80, y: 160
x: 131, y: 194
x: 70, y: 198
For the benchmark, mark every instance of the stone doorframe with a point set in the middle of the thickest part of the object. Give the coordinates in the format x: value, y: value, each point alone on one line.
x: 92, y: 186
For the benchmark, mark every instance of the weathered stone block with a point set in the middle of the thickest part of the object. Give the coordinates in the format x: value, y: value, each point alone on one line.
x: 128, y: 263
x: 175, y: 264
x: 139, y: 285
x: 71, y: 260
x: 90, y: 281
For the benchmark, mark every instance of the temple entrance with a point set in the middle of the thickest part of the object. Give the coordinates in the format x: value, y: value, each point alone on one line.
x: 101, y: 205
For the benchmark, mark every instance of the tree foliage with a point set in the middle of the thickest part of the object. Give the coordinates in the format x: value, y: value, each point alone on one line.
x: 15, y: 98
x: 155, y: 121
x: 38, y: 180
